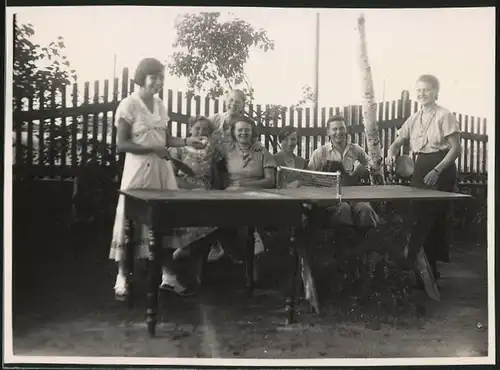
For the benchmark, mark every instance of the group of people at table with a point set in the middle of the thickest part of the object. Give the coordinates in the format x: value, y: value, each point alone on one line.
x: 224, y: 153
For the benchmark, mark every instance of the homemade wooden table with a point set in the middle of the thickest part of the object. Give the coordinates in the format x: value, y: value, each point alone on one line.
x: 161, y: 211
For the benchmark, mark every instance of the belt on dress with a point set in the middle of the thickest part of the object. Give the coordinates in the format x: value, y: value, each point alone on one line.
x: 436, y: 152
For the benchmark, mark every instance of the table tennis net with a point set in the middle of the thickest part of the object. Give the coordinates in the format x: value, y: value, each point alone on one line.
x: 293, y: 177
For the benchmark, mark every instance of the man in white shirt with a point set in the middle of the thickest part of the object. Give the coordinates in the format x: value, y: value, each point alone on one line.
x: 354, y: 162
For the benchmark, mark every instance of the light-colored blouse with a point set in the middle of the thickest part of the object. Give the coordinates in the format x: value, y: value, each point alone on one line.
x: 220, y: 129
x: 221, y: 132
x: 200, y: 161
x: 295, y: 162
x: 429, y: 135
x: 148, y: 129
x: 286, y: 178
x: 248, y: 165
x: 218, y: 120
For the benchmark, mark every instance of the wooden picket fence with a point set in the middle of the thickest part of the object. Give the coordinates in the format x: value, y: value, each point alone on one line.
x: 61, y: 139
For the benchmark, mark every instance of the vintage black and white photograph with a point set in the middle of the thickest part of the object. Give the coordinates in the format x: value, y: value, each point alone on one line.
x: 235, y: 186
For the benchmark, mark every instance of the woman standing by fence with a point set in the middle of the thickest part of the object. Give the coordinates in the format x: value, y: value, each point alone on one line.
x: 434, y: 136
x: 141, y: 122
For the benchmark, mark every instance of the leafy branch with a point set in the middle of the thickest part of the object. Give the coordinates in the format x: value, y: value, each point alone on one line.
x: 213, y: 54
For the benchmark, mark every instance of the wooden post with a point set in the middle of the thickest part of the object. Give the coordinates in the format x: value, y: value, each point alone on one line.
x: 406, y: 112
x: 316, y: 64
x: 85, y: 130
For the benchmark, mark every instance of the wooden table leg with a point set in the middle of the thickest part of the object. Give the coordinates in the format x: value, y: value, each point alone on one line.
x: 154, y: 280
x: 306, y: 279
x: 202, y: 266
x: 200, y: 250
x: 290, y: 301
x: 250, y: 260
x: 129, y: 260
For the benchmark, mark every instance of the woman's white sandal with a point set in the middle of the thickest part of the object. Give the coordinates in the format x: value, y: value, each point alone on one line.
x: 121, y: 289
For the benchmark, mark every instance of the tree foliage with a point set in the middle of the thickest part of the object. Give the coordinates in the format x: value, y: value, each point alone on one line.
x: 213, y: 56
x: 38, y: 68
x: 214, y: 53
x: 41, y: 71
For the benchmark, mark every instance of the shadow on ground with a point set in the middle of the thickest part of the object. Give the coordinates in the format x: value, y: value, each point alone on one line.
x: 66, y: 307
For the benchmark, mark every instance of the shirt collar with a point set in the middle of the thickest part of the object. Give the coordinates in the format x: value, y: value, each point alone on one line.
x: 331, y: 148
x: 432, y: 110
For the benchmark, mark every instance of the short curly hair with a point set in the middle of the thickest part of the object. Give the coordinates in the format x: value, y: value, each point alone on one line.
x: 147, y: 66
x: 239, y: 92
x: 287, y: 131
x: 431, y: 80
x: 246, y: 120
x: 193, y: 120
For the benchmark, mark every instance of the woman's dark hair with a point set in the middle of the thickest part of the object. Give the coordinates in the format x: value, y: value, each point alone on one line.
x: 193, y: 120
x: 246, y: 120
x: 286, y: 131
x: 147, y: 66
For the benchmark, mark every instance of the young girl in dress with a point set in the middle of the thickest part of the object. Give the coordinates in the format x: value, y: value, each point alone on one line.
x: 201, y: 161
x: 204, y: 163
x: 141, y: 121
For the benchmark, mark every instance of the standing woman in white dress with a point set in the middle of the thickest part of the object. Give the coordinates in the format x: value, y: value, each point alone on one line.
x: 141, y: 121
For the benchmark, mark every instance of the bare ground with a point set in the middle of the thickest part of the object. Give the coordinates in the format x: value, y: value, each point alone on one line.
x: 67, y: 308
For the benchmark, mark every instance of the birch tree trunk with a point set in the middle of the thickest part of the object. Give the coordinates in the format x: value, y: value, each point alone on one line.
x: 372, y: 133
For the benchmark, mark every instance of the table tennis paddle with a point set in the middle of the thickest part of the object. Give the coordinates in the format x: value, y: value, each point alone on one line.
x: 404, y: 166
x: 181, y: 166
x: 308, y: 280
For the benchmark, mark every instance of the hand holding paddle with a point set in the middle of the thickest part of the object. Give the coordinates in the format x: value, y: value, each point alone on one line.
x: 359, y: 171
x: 162, y: 152
x: 401, y: 166
x: 390, y: 161
x: 181, y: 166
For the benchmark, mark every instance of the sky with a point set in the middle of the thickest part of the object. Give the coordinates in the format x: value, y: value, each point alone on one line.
x: 457, y: 45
